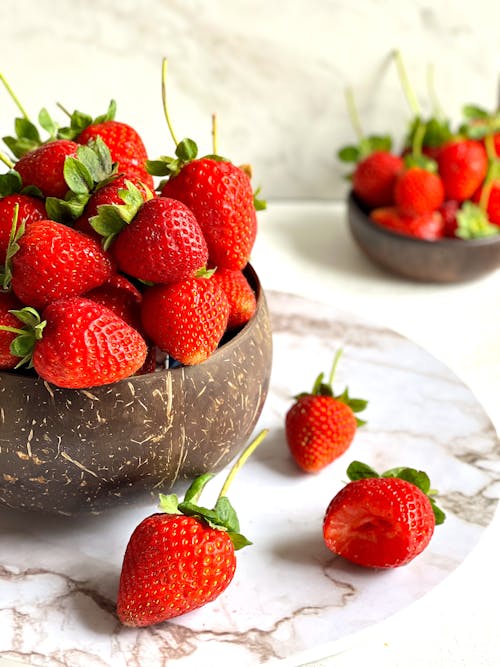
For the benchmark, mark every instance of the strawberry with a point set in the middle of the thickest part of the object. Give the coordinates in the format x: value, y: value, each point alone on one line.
x: 29, y: 209
x: 375, y: 177
x: 43, y: 167
x: 418, y: 191
x: 241, y: 297
x: 448, y: 211
x: 220, y: 196
x: 320, y: 426
x: 381, y: 521
x: 158, y: 241
x: 53, y: 260
x: 429, y: 226
x: 186, y: 319
x: 463, y: 164
x: 121, y: 296
x: 181, y: 558
x: 78, y: 343
x: 8, y: 320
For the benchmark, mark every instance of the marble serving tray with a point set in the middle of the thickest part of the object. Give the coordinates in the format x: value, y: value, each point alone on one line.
x: 291, y: 598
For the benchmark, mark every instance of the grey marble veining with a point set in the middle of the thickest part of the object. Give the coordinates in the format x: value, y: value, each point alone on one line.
x: 59, y: 577
x: 274, y: 72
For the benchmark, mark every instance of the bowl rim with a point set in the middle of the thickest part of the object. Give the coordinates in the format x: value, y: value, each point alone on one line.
x: 353, y: 202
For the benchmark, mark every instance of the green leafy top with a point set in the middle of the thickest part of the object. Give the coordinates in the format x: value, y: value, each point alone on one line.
x: 27, y: 136
x: 358, y: 470
x: 473, y: 222
x: 479, y: 123
x: 222, y: 516
x: 185, y: 152
x: 321, y: 388
x: 79, y: 121
x: 27, y: 336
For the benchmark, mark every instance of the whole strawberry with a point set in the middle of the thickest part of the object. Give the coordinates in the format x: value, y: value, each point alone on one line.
x: 78, y: 343
x: 418, y: 191
x: 381, y: 521
x: 53, y: 261
x: 186, y: 319
x: 375, y: 177
x: 183, y: 558
x: 320, y: 426
x: 463, y: 164
x: 241, y: 297
x: 43, y: 167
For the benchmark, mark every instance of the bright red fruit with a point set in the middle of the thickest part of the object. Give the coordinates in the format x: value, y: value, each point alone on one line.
x: 30, y: 209
x: 241, y: 297
x: 462, y: 166
x: 320, y: 426
x: 8, y: 302
x: 84, y: 344
x: 221, y: 198
x: 493, y: 203
x: 381, y: 522
x: 186, y: 319
x: 162, y: 244
x: 54, y: 260
x: 121, y: 296
x: 125, y: 145
x: 429, y: 226
x: 418, y: 192
x: 375, y: 176
x: 43, y: 167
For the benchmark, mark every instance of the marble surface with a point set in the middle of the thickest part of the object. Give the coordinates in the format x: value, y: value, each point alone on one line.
x: 274, y: 72
x: 291, y: 599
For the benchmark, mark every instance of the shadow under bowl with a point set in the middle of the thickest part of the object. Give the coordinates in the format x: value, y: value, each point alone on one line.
x: 445, y: 260
x: 66, y: 451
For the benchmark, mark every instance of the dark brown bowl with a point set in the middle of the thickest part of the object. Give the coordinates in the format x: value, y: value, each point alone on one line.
x: 65, y: 451
x: 444, y: 261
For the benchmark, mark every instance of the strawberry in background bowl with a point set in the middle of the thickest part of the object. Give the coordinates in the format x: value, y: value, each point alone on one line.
x: 430, y: 210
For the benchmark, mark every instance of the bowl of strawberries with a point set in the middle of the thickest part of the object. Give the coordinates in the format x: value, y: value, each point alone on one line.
x: 429, y: 211
x: 135, y: 341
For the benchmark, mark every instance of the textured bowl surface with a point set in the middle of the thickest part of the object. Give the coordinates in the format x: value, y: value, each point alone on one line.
x: 442, y: 261
x: 67, y: 451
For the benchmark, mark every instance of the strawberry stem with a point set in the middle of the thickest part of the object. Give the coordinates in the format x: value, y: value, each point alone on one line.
x: 6, y: 161
x: 164, y: 99
x: 436, y: 105
x: 338, y: 354
x: 214, y: 134
x: 13, y: 96
x: 63, y: 109
x: 241, y: 461
x: 353, y: 113
x: 405, y: 83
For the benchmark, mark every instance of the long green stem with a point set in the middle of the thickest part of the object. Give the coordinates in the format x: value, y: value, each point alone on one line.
x: 164, y: 99
x: 13, y: 96
x: 411, y: 98
x: 241, y: 461
x: 214, y: 134
x: 334, y: 366
x: 63, y: 109
x: 6, y: 161
x: 436, y: 105
x: 353, y: 113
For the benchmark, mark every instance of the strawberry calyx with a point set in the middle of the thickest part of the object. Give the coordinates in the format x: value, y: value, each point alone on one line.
x: 473, y: 222
x: 112, y: 218
x: 321, y: 388
x: 11, y: 183
x: 359, y: 470
x: 79, y: 121
x: 479, y: 123
x: 92, y: 167
x: 185, y: 151
x: 24, y: 342
x: 222, y: 516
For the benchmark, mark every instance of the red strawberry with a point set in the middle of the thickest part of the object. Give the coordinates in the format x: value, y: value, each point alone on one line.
x: 381, y: 521
x: 462, y: 166
x: 163, y: 243
x: 241, y: 297
x: 493, y: 200
x: 182, y: 558
x: 109, y: 193
x: 449, y: 210
x: 30, y: 209
x: 43, y: 167
x: 186, y: 319
x: 121, y: 296
x: 221, y: 198
x: 125, y: 145
x: 8, y: 302
x: 320, y: 426
x: 418, y: 191
x: 429, y: 226
x: 53, y: 261
x: 375, y: 176
x: 79, y: 343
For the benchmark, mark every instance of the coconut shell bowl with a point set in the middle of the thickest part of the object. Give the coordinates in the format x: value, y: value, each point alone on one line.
x: 68, y: 451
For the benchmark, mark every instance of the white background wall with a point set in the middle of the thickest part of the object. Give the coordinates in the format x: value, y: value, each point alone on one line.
x: 275, y: 71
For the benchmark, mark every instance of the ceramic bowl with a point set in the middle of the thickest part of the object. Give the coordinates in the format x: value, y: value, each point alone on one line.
x: 443, y: 261
x: 69, y: 451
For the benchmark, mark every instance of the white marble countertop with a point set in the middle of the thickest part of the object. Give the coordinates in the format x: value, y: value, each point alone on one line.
x: 306, y: 248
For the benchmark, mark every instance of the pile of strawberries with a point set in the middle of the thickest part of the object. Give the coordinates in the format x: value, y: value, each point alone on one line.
x: 443, y: 183
x: 106, y: 272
